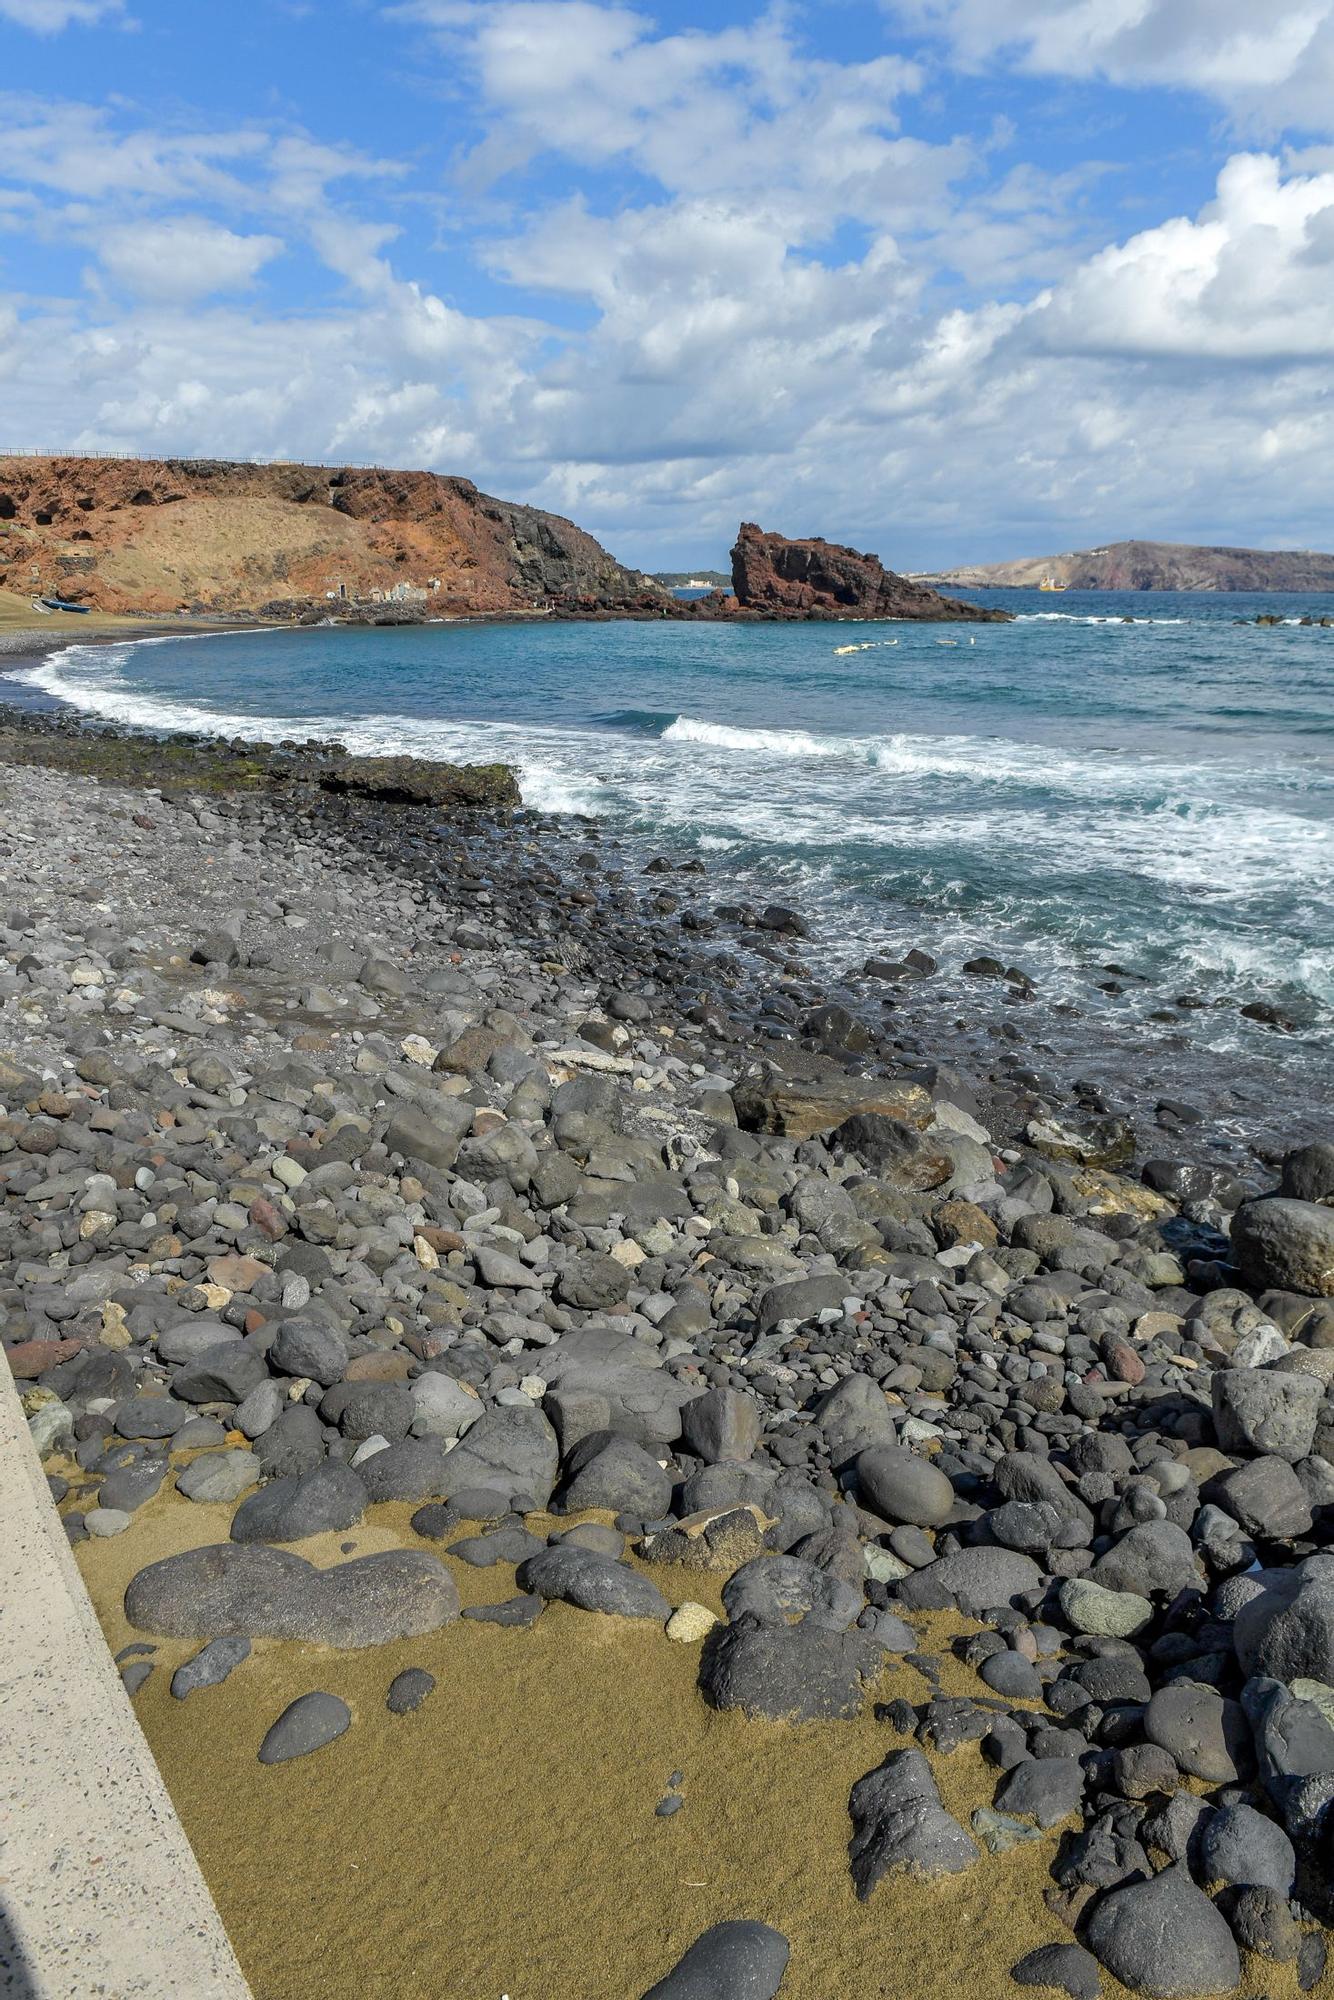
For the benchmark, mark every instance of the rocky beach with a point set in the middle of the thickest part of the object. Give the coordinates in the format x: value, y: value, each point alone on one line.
x: 607, y: 1474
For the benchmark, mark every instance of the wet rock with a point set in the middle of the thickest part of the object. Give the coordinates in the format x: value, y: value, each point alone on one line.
x: 1308, y: 1173
x: 893, y: 1150
x: 801, y: 1108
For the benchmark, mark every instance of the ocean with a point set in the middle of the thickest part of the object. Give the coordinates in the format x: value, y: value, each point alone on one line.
x: 1135, y: 782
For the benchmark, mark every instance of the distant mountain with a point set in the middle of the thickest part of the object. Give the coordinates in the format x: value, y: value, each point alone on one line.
x: 1152, y: 566
x: 682, y: 579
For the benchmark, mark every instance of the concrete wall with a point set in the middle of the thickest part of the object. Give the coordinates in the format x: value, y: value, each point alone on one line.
x: 100, y: 1892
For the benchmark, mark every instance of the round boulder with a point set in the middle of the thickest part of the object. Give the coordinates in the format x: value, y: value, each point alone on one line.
x: 1164, y: 1937
x: 1287, y: 1245
x: 732, y: 1961
x: 306, y: 1724
x: 901, y: 1487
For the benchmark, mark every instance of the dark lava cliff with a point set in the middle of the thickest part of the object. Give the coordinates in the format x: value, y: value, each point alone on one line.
x: 780, y: 578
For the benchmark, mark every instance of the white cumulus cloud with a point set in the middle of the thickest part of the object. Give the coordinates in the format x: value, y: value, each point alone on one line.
x: 767, y: 286
x: 1273, y: 65
x: 49, y: 17
x: 183, y: 257
x: 1248, y: 279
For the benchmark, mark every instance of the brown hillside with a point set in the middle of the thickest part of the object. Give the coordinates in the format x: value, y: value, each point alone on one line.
x: 170, y: 535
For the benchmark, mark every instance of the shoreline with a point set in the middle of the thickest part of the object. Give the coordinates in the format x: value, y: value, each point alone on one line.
x: 1210, y: 1105
x: 392, y: 834
x: 400, y: 1168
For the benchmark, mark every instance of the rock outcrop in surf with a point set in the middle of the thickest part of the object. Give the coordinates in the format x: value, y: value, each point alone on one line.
x: 812, y: 578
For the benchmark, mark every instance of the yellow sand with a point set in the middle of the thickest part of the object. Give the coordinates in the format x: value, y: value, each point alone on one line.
x: 502, y: 1839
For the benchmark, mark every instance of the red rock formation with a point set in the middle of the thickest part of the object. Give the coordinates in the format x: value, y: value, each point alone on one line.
x: 211, y: 535
x: 219, y: 537
x: 779, y: 578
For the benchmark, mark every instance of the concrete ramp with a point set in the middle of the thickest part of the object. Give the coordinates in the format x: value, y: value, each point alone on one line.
x: 100, y: 1892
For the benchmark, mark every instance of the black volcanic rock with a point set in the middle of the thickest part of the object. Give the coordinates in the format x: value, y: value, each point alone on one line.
x: 819, y: 579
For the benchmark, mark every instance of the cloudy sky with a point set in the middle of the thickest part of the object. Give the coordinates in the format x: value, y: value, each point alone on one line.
x: 948, y: 279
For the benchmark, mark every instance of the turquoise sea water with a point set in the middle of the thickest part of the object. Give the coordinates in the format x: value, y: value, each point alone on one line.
x: 1066, y: 791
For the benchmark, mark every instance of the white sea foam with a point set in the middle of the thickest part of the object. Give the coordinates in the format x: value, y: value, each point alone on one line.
x: 91, y: 679
x: 1099, y: 618
x: 766, y: 742
x: 1189, y: 863
x: 981, y: 760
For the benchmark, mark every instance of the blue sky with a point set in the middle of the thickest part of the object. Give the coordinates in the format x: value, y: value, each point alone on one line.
x: 951, y: 279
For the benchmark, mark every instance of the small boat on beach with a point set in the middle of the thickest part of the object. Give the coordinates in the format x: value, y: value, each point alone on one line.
x: 59, y: 604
